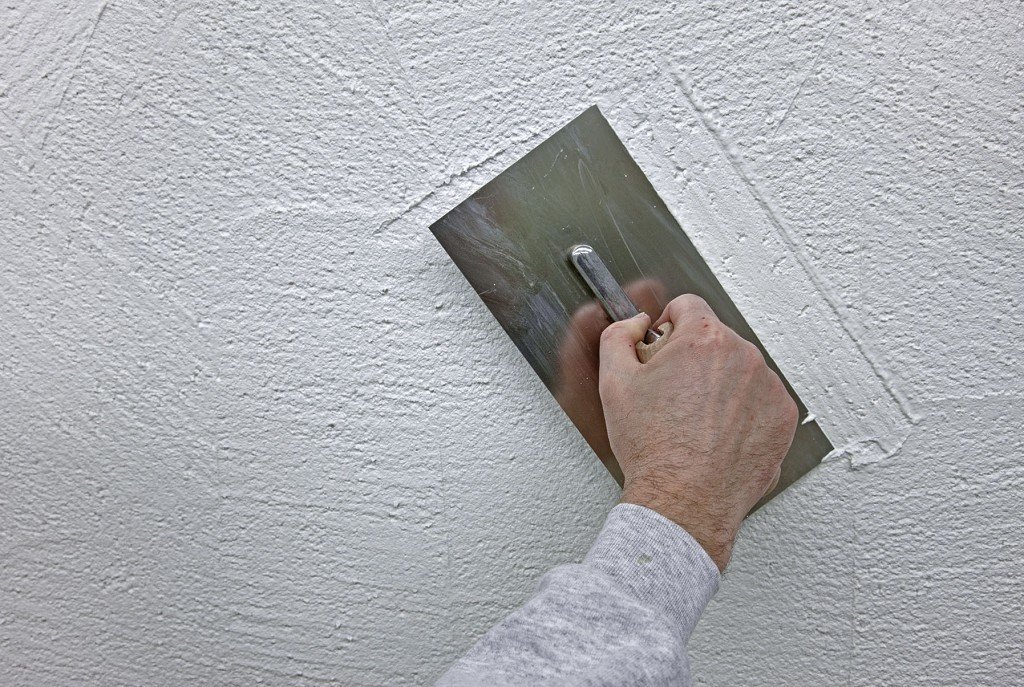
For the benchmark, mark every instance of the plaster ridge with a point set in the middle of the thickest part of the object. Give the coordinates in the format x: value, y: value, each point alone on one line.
x: 412, y: 92
x: 1010, y: 395
x: 452, y: 178
x: 835, y: 305
x: 810, y: 72
x: 866, y: 451
x: 100, y: 11
x: 315, y: 207
x: 394, y: 54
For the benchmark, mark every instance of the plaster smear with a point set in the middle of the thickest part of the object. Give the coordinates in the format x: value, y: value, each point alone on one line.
x: 850, y: 393
x: 718, y: 204
x: 255, y: 428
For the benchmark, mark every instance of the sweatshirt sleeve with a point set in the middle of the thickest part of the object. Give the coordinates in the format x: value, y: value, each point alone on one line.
x: 622, y: 616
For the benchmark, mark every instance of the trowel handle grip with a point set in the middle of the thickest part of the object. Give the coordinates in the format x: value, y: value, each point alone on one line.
x: 613, y: 299
x: 646, y: 351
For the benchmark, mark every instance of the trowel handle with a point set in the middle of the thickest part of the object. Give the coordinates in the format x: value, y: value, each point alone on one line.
x: 613, y: 299
x: 645, y: 351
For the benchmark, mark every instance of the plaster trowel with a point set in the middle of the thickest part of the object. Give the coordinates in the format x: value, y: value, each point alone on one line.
x: 572, y: 236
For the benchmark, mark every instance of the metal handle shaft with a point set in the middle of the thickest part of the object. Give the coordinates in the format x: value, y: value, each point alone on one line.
x: 604, y: 286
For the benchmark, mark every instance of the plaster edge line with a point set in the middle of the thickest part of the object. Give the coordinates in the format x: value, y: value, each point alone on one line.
x: 101, y: 9
x: 839, y: 310
x: 452, y: 178
x: 807, y: 77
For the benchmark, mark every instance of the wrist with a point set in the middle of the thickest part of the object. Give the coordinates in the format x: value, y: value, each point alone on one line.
x: 710, y: 530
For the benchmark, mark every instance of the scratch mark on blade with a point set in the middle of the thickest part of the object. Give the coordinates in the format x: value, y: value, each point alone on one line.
x: 553, y: 163
x: 629, y: 250
x: 452, y: 178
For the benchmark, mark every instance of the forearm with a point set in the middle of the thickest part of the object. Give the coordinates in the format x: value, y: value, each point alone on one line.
x: 623, y: 616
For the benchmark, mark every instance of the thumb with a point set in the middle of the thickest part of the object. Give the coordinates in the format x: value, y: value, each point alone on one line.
x: 618, y: 343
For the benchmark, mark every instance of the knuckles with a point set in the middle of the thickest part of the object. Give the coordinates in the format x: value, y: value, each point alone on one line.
x: 753, y: 360
x: 687, y: 305
x: 688, y: 302
x: 711, y: 336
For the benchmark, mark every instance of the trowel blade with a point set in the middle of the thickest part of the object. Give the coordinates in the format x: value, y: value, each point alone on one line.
x: 511, y: 241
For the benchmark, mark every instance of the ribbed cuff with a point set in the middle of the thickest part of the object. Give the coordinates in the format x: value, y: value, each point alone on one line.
x: 658, y: 561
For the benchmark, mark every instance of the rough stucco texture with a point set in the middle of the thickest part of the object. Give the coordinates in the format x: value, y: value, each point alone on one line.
x: 255, y: 428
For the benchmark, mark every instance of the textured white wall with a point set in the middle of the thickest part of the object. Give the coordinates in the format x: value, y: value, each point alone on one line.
x: 254, y: 426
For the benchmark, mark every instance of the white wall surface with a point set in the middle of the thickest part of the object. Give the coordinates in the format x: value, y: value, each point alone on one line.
x: 256, y: 428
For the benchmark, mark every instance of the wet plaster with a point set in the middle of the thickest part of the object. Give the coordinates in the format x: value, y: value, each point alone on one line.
x: 256, y: 427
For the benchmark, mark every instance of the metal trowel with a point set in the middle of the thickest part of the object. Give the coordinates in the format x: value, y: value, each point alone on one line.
x: 573, y: 236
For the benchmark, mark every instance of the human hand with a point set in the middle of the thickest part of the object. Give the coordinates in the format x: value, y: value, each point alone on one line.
x: 700, y: 430
x: 578, y: 362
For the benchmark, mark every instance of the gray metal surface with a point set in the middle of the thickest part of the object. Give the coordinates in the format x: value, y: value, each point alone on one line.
x: 511, y: 238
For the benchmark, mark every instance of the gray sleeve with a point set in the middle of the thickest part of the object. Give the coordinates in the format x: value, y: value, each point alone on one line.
x: 622, y: 616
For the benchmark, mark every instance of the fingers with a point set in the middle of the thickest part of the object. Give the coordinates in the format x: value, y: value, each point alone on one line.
x: 618, y: 344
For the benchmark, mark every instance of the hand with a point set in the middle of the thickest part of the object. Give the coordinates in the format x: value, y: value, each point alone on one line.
x: 700, y: 431
x: 578, y: 360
